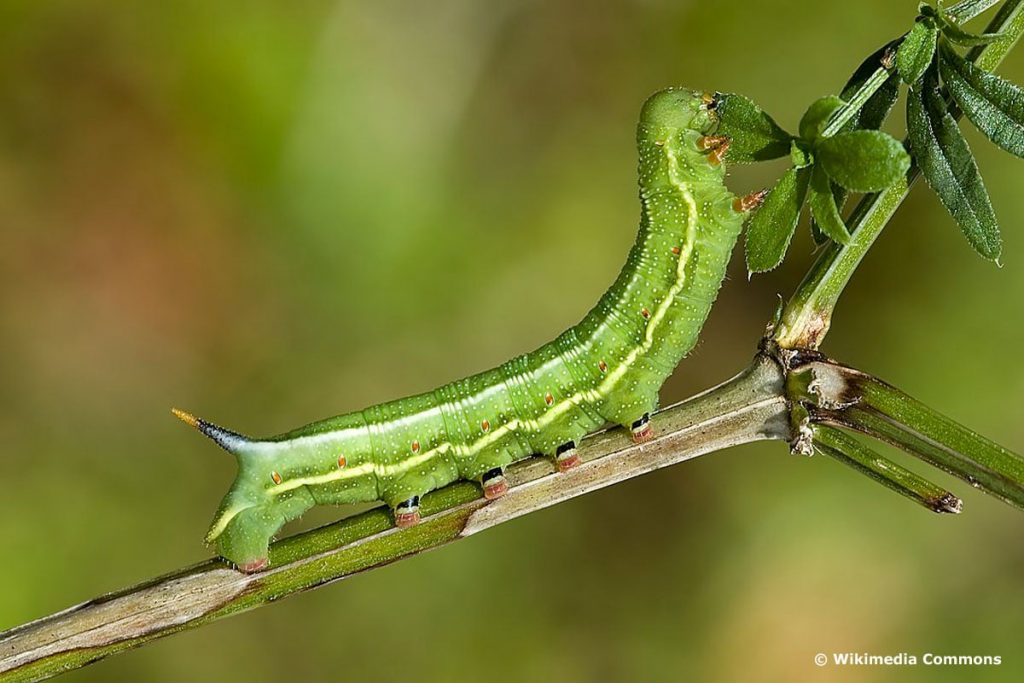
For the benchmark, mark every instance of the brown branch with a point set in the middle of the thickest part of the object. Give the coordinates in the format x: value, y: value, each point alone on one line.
x: 750, y: 407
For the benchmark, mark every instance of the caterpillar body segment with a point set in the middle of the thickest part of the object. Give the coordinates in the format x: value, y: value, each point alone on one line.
x: 607, y: 368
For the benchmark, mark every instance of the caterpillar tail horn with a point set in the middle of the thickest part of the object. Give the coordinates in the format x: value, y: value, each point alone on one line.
x: 230, y: 441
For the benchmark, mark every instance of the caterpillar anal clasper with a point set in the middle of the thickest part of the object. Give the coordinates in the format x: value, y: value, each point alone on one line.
x: 607, y: 368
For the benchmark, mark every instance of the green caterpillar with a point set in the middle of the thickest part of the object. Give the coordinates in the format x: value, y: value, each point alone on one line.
x: 608, y: 368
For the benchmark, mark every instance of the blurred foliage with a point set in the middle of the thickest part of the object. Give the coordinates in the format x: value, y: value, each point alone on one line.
x: 272, y: 212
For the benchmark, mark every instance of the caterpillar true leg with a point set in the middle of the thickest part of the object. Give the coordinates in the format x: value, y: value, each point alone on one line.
x: 706, y: 143
x: 407, y: 513
x: 566, y: 457
x: 749, y: 202
x: 494, y: 483
x: 715, y: 145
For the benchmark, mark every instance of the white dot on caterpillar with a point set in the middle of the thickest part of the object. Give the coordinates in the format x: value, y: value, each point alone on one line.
x: 275, y: 477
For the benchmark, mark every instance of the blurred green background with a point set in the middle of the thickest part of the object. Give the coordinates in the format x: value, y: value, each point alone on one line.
x: 272, y: 212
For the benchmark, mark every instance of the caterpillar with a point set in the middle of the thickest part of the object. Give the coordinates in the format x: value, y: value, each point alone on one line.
x: 606, y: 369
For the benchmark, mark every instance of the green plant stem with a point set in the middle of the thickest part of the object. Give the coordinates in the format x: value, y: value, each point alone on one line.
x: 839, y: 395
x: 750, y: 407
x: 850, y: 452
x: 962, y: 464
x: 962, y: 12
x: 807, y: 316
x: 859, y: 99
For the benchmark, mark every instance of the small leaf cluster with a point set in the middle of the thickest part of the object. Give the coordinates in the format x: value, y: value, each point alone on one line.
x: 824, y: 168
x: 839, y: 148
x: 927, y: 60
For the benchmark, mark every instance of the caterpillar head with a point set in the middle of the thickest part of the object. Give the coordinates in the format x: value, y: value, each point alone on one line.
x: 679, y: 108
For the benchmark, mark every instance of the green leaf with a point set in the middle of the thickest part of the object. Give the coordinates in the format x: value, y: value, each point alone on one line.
x: 755, y: 135
x: 772, y: 227
x: 951, y: 29
x: 961, y: 37
x: 948, y: 165
x: 995, y: 106
x: 800, y: 153
x: 817, y: 115
x: 823, y: 207
x: 917, y: 50
x: 877, y: 108
x: 863, y: 160
x: 965, y: 10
